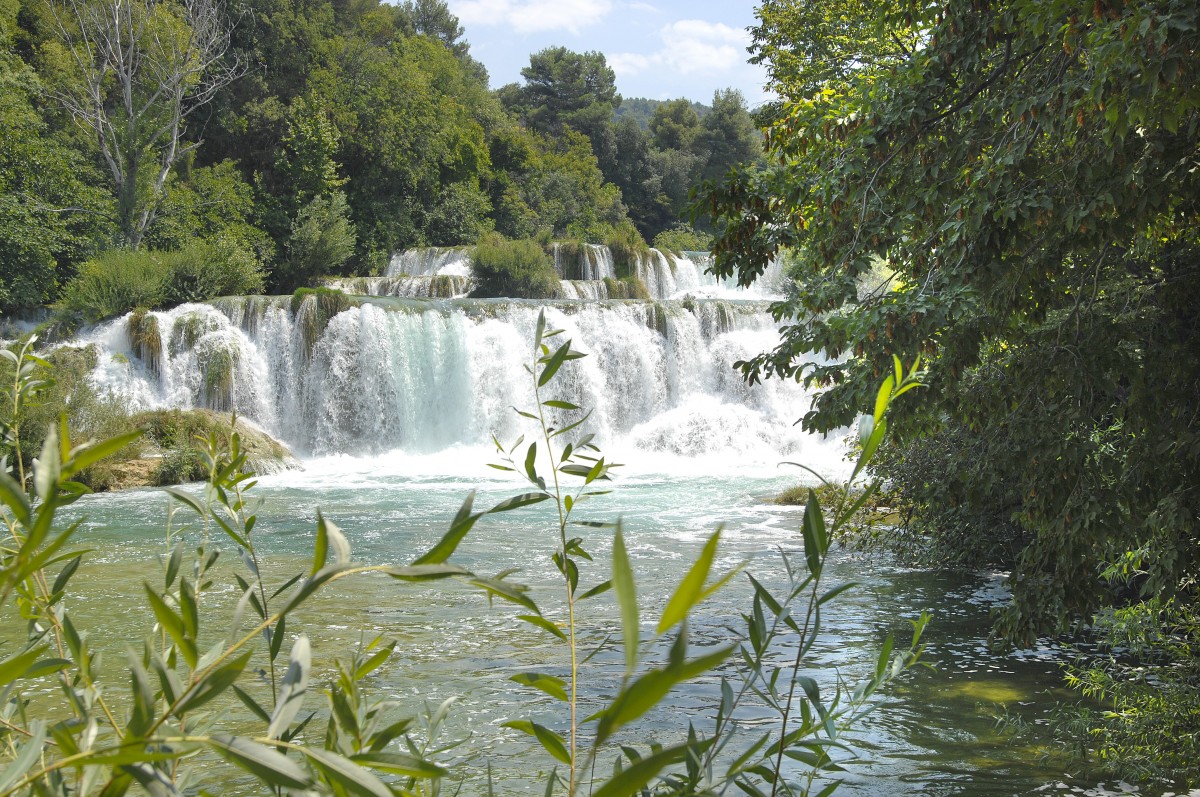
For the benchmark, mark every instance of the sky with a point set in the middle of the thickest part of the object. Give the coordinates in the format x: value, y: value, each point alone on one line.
x: 660, y: 49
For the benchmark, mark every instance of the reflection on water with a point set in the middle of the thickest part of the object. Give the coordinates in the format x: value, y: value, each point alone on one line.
x: 936, y: 733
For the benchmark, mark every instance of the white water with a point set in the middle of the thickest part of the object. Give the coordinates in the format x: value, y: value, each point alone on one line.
x: 418, y: 379
x: 431, y: 261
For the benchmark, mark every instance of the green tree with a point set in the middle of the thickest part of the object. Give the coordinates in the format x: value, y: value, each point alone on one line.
x: 727, y: 137
x: 142, y: 68
x: 323, y: 238
x: 50, y: 216
x: 675, y: 125
x: 568, y: 89
x: 1026, y: 175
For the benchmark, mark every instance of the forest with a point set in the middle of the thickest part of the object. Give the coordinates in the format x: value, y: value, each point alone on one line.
x: 219, y: 149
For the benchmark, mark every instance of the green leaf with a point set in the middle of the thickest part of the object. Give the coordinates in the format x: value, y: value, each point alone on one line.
x: 882, y: 397
x: 599, y: 589
x: 813, y: 526
x: 631, y: 779
x: 84, y: 457
x: 47, y: 468
x: 347, y: 774
x: 551, y: 741
x: 142, y: 715
x: 459, y: 527
x: 396, y: 763
x: 185, y: 499
x: 295, y: 685
x: 172, y: 624
x: 553, y: 363
x: 506, y: 590
x: 531, y: 462
x: 213, y: 684
x: 551, y: 685
x: 517, y: 501
x: 18, y: 664
x: 375, y: 662
x: 264, y: 763
x: 252, y: 704
x: 691, y: 589
x: 561, y: 405
x: 649, y: 689
x: 12, y: 496
x: 30, y: 752
x: 426, y: 572
x: 544, y: 624
x: 623, y: 585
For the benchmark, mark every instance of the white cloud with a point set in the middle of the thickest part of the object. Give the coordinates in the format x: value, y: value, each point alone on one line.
x: 530, y: 16
x: 690, y: 47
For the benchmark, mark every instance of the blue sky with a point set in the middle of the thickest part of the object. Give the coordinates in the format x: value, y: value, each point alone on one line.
x: 659, y: 49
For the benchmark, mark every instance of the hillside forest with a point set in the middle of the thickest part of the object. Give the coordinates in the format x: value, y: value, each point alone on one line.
x: 217, y: 148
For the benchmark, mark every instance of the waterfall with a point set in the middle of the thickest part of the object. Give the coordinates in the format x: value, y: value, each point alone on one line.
x: 431, y: 261
x: 426, y: 286
x: 588, y: 271
x: 373, y: 375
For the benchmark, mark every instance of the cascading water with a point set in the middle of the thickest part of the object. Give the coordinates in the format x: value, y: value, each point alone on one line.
x: 421, y: 377
x: 431, y: 261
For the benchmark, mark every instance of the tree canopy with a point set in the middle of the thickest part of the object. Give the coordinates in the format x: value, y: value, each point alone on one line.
x: 1024, y: 176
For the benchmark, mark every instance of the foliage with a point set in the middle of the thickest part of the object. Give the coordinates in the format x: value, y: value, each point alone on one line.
x: 675, y: 124
x: 322, y: 240
x: 119, y: 281
x: 567, y: 89
x: 626, y: 245
x: 512, y: 268
x: 803, y: 726
x: 682, y: 238
x: 727, y: 137
x: 1027, y: 175
x: 211, y: 203
x: 1021, y: 176
x: 115, y: 283
x: 142, y: 67
x: 39, y: 178
x: 207, y: 269
x: 1146, y: 682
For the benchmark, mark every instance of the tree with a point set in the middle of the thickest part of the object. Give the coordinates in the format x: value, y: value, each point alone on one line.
x: 675, y: 125
x: 727, y: 137
x: 143, y: 68
x: 1027, y: 176
x: 50, y: 212
x: 322, y: 239
x: 565, y: 88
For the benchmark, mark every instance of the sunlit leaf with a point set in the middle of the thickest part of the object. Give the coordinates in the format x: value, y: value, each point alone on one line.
x: 623, y: 585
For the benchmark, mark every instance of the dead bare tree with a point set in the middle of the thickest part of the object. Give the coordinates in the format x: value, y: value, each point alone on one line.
x: 144, y: 67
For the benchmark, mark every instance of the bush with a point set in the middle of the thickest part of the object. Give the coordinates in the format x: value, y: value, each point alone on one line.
x: 682, y: 238
x: 115, y: 283
x: 206, y: 269
x: 122, y: 280
x: 626, y: 245
x: 323, y: 238
x: 512, y: 268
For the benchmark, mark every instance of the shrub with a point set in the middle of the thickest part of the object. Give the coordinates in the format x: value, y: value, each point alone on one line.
x: 323, y: 238
x: 207, y: 269
x: 682, y: 238
x: 626, y: 245
x: 512, y: 268
x: 116, y: 282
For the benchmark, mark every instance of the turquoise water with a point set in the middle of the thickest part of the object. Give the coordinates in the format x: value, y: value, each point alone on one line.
x: 935, y: 732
